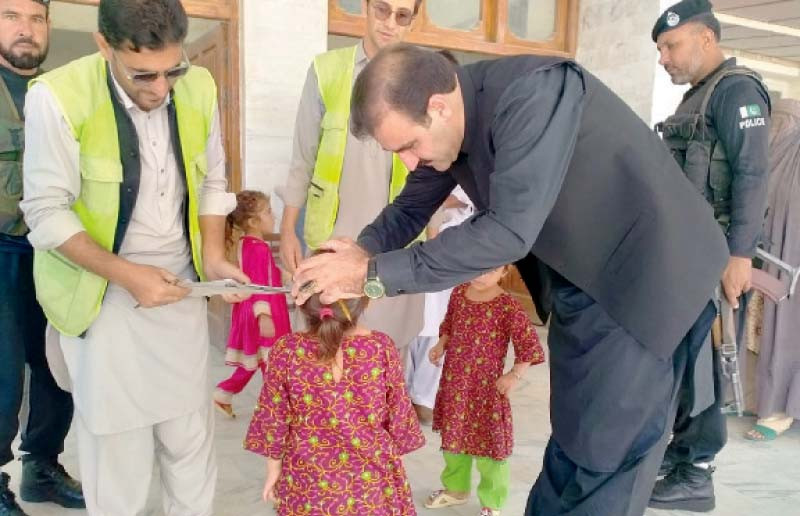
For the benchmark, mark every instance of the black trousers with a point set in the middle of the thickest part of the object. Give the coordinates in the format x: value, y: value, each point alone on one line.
x: 702, y: 437
x: 22, y: 330
x: 699, y: 438
x: 613, y: 403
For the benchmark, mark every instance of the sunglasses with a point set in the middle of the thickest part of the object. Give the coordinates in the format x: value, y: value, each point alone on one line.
x: 170, y: 75
x: 383, y: 11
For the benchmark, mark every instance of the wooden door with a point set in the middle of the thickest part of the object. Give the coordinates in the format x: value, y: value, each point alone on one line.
x: 211, y: 51
x: 515, y: 286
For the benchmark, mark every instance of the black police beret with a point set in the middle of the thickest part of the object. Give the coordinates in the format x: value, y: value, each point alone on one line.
x: 679, y: 14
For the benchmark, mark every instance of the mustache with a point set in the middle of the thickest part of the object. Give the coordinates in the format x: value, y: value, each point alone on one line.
x: 29, y: 41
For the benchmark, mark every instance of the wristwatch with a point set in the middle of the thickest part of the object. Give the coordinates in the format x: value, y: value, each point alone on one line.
x: 373, y: 287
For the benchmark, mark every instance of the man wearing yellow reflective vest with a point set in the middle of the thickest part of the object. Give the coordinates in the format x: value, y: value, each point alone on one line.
x: 334, y: 175
x: 125, y: 196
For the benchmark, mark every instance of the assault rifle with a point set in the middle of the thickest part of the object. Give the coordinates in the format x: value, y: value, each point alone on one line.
x: 724, y: 329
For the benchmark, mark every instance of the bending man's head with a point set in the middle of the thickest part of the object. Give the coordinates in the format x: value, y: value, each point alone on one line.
x: 410, y: 101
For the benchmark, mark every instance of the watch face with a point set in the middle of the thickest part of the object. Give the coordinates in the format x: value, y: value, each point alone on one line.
x: 374, y: 289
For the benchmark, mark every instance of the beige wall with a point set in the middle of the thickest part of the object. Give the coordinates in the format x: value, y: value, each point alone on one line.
x: 279, y: 41
x: 614, y: 43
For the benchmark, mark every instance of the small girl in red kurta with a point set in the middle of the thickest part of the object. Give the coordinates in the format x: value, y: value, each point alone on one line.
x: 334, y: 419
x: 472, y: 410
x: 259, y: 321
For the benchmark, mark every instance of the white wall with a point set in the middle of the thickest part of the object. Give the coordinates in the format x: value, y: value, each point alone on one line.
x: 666, y: 96
x: 279, y: 40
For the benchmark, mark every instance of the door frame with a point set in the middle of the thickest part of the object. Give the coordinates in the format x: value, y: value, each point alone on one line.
x: 225, y: 11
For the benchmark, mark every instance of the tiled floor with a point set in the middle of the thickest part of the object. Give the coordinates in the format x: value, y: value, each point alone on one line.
x: 751, y: 479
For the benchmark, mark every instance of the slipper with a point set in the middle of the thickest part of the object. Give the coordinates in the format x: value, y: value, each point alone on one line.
x: 439, y: 499
x: 761, y: 433
x: 225, y: 409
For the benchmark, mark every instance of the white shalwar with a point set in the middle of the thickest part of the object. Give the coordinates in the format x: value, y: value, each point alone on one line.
x: 422, y: 377
x: 139, y: 376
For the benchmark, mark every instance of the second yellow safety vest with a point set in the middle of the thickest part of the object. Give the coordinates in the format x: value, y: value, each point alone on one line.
x: 334, y: 72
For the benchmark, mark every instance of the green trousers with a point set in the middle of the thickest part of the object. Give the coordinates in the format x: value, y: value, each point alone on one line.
x: 495, y: 478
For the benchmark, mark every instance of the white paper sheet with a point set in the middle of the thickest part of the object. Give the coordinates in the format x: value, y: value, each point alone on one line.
x: 229, y: 286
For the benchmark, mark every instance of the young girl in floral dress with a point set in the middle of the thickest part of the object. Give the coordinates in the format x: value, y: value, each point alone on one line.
x: 260, y: 320
x: 472, y: 409
x: 334, y: 419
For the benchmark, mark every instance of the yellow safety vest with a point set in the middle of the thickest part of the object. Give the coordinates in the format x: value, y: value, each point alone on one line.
x: 70, y: 295
x: 334, y: 71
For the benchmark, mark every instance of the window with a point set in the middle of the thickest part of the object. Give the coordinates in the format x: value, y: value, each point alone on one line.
x: 499, y: 27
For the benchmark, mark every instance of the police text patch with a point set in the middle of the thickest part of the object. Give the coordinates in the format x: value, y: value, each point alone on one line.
x: 753, y: 122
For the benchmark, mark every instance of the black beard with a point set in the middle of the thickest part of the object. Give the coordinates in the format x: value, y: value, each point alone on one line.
x: 24, y: 61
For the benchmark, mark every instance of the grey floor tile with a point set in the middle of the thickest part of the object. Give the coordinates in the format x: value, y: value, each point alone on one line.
x: 760, y: 479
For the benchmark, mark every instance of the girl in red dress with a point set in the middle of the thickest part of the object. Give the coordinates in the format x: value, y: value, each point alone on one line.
x: 472, y: 411
x: 259, y: 321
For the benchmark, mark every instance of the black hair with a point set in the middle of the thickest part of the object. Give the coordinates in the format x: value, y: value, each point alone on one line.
x: 137, y: 24
x: 450, y: 56
x: 401, y: 78
x: 329, y: 328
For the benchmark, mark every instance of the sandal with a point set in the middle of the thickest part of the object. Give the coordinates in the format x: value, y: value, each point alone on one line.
x: 485, y: 511
x: 762, y: 433
x: 439, y: 499
x: 222, y: 402
x: 226, y: 409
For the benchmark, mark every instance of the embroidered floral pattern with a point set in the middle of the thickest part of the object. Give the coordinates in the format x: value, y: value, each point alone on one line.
x: 471, y: 415
x: 340, y: 442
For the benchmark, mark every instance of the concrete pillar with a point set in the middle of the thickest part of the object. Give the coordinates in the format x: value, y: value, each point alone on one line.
x: 614, y: 44
x: 279, y: 40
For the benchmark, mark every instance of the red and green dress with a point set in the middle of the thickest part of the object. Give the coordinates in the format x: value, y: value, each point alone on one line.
x: 473, y: 418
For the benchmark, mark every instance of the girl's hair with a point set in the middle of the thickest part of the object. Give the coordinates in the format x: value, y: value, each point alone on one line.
x: 329, y: 322
x: 248, y: 204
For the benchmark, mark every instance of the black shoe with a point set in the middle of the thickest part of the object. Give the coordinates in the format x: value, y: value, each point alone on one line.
x: 46, y: 481
x: 686, y: 488
x: 8, y: 505
x: 667, y: 465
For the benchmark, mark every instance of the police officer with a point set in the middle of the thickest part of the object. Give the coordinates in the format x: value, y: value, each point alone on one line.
x: 719, y: 137
x: 24, y: 33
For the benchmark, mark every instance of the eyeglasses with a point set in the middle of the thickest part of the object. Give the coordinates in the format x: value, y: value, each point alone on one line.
x: 170, y: 75
x: 383, y: 11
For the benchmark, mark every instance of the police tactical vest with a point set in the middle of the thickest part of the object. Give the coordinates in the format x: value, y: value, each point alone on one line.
x: 695, y: 144
x: 12, y: 144
x: 70, y: 295
x: 334, y: 72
